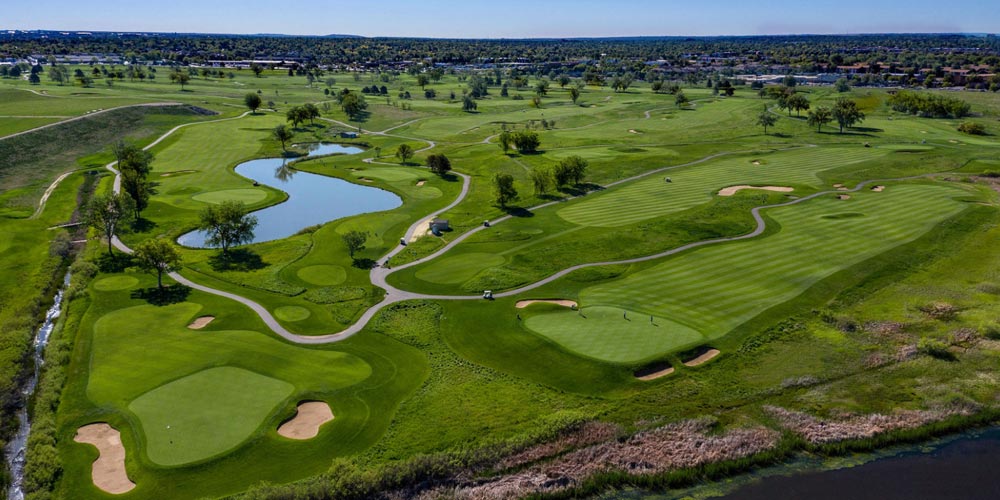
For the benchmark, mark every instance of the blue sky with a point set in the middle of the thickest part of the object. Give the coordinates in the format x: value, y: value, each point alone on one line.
x: 506, y: 18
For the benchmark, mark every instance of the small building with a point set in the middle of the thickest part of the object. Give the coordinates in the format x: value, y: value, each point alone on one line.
x: 349, y: 135
x: 438, y: 225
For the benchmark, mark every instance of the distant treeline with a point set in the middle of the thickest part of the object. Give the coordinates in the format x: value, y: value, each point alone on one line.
x: 930, y: 105
x: 807, y: 52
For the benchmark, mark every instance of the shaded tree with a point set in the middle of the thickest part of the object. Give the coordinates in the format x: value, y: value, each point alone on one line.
x: 766, y: 119
x: 819, y: 117
x: 469, y: 104
x: 541, y: 179
x: 180, y: 77
x: 847, y: 113
x: 439, y: 164
x: 252, y: 101
x: 228, y: 224
x: 105, y: 213
x: 158, y: 256
x: 504, y: 191
x: 404, y: 152
x: 283, y: 134
x: 355, y: 241
x: 680, y: 99
x: 574, y: 94
x: 570, y: 171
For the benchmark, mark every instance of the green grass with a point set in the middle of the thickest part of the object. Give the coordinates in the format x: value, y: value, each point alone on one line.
x: 248, y: 196
x: 712, y: 290
x: 206, y: 414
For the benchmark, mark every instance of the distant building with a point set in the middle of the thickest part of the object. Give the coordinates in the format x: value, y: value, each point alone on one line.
x: 350, y: 135
x: 439, y: 225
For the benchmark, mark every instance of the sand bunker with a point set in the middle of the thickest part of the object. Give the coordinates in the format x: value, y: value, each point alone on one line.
x: 109, y: 469
x: 521, y: 304
x: 421, y: 183
x: 756, y: 162
x: 422, y: 230
x: 878, y: 189
x: 365, y: 179
x: 731, y: 190
x: 703, y: 357
x: 843, y: 196
x: 310, y: 416
x: 633, y: 131
x: 838, y: 185
x: 201, y: 322
x: 654, y: 372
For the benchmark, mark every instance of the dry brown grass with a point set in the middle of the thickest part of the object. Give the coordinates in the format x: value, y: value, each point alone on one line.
x: 853, y: 427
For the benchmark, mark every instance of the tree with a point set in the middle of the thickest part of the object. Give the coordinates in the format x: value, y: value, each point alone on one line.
x: 574, y: 94
x: 296, y: 115
x: 310, y: 112
x: 469, y: 104
x: 404, y: 152
x: 34, y: 79
x: 798, y: 102
x: 789, y: 81
x: 257, y: 69
x: 766, y: 119
x: 526, y: 141
x: 228, y: 224
x: 283, y: 134
x: 353, y: 104
x: 542, y: 180
x: 253, y: 101
x: 105, y: 212
x: 819, y: 117
x: 564, y: 80
x: 355, y: 241
x: 680, y: 99
x: 134, y: 164
x: 439, y: 164
x: 842, y: 85
x: 503, y: 189
x: 157, y: 256
x: 846, y: 112
x: 505, y: 139
x: 570, y: 171
x: 180, y: 77
x: 422, y: 80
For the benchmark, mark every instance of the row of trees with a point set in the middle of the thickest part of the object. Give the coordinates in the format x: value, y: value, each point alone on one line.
x: 929, y: 105
x: 525, y: 141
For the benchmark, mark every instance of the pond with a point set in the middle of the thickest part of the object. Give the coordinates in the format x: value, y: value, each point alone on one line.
x: 312, y: 199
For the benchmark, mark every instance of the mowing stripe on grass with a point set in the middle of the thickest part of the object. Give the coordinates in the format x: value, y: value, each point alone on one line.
x: 653, y: 197
x: 714, y: 289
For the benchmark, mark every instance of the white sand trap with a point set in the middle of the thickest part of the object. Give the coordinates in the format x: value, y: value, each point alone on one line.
x: 521, y: 304
x: 838, y: 185
x: 421, y: 183
x: 878, y: 189
x: 365, y: 179
x: 422, y: 230
x: 201, y: 322
x: 843, y: 196
x: 108, y: 470
x: 731, y: 190
x: 756, y: 162
x: 633, y: 131
x: 657, y: 374
x: 308, y: 419
x: 705, y: 356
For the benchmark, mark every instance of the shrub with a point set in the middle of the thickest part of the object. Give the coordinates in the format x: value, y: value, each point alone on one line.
x: 972, y: 128
x: 942, y: 311
x: 934, y: 348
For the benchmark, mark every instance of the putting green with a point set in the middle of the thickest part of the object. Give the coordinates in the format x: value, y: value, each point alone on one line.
x: 206, y: 414
x: 614, y: 334
x: 323, y: 274
x: 458, y: 268
x: 292, y: 313
x: 113, y: 283
x: 245, y: 195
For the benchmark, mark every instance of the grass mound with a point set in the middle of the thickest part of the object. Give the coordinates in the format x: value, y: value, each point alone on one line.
x: 322, y: 274
x: 206, y: 414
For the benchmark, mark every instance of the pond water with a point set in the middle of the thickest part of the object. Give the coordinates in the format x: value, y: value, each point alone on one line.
x: 957, y: 467
x: 312, y: 199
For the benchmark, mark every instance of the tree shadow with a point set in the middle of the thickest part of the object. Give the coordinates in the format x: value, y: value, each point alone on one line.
x: 165, y: 296
x: 237, y: 259
x: 518, y: 212
x: 114, y: 263
x: 449, y: 177
x: 580, y: 189
x: 142, y: 225
x: 363, y: 263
